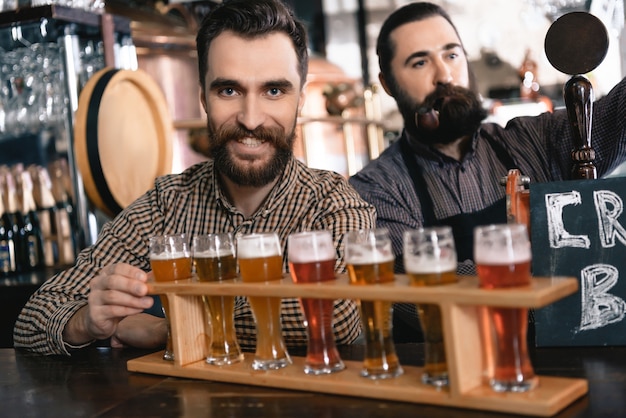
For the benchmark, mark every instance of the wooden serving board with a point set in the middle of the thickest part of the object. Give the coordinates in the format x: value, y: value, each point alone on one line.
x: 461, y: 311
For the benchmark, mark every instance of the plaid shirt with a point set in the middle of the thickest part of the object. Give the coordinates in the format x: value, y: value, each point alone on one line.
x: 192, y: 202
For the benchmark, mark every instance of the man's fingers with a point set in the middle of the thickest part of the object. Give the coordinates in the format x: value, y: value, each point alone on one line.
x: 121, y: 277
x: 115, y: 297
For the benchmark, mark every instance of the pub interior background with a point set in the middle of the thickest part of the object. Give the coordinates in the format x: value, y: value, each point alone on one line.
x: 49, y: 50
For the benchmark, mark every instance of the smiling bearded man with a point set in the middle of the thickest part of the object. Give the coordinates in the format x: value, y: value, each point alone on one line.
x: 252, y: 66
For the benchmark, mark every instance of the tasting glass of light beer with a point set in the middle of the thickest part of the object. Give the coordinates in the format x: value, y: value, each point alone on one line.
x: 369, y: 259
x: 502, y: 255
x: 170, y: 260
x: 260, y: 260
x: 312, y: 260
x: 430, y: 260
x: 214, y: 258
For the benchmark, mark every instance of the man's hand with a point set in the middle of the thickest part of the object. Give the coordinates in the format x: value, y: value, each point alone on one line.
x: 118, y: 291
x: 140, y: 331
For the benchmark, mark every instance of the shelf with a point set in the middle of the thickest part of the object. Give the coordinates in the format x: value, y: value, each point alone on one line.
x: 61, y: 13
x: 461, y: 316
x: 339, y: 120
x: 29, y: 279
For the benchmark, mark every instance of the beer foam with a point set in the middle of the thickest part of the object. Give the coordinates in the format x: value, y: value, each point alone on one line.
x: 257, y: 245
x: 169, y: 256
x: 314, y: 254
x: 371, y: 257
x: 500, y: 256
x: 421, y: 265
x: 310, y: 246
x: 212, y: 253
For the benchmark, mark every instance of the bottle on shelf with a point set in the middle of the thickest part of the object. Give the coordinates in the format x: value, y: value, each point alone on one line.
x: 16, y: 220
x: 33, y: 257
x: 66, y: 224
x: 46, y: 211
x: 8, y: 259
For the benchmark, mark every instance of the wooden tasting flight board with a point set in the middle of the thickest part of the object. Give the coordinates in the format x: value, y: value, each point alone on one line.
x: 461, y: 326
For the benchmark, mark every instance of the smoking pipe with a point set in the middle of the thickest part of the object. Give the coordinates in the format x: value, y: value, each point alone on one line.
x: 427, y: 118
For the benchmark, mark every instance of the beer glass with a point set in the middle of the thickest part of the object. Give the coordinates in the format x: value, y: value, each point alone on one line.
x: 312, y: 260
x: 214, y: 258
x: 369, y: 259
x: 170, y: 260
x: 502, y: 255
x: 430, y: 260
x: 260, y: 260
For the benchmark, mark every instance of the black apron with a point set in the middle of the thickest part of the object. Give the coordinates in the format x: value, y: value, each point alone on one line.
x: 406, y: 326
x: 462, y: 224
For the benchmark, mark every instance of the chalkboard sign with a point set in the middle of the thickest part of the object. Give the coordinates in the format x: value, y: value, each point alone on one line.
x: 578, y: 229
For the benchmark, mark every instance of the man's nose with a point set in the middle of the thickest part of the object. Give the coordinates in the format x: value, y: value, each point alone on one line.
x: 443, y: 73
x: 251, y: 114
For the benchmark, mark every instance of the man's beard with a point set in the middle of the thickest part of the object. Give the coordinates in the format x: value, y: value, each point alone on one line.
x: 242, y: 174
x: 460, y: 113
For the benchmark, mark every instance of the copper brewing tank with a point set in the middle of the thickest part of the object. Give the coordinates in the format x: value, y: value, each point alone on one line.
x: 339, y: 128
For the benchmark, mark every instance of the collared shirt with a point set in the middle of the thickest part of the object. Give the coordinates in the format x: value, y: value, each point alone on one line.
x: 540, y: 147
x: 193, y: 203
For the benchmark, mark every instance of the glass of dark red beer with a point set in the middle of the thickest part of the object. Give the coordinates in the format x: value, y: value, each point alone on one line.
x: 502, y: 255
x: 312, y: 260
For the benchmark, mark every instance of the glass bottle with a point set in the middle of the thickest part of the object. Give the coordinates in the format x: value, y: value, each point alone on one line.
x: 30, y: 230
x: 46, y: 212
x: 8, y: 261
x: 16, y: 220
x: 66, y: 225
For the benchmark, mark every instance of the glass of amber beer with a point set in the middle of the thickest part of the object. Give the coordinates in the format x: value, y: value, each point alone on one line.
x: 430, y: 260
x: 369, y: 259
x: 502, y: 255
x: 170, y: 260
x: 312, y: 260
x: 214, y: 258
x: 260, y: 260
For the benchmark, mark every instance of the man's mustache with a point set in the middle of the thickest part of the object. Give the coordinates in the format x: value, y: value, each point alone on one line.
x: 427, y: 115
x: 444, y: 94
x: 261, y: 133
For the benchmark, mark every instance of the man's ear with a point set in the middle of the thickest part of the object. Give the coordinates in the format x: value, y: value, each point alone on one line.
x: 383, y: 83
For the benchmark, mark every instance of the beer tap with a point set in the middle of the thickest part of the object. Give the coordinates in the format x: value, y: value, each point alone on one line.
x: 576, y: 43
x: 578, y: 94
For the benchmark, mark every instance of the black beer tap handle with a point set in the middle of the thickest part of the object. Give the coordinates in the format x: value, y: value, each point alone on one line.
x: 578, y: 94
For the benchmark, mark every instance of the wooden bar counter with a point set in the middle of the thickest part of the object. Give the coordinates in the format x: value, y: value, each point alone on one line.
x: 107, y: 382
x: 95, y: 382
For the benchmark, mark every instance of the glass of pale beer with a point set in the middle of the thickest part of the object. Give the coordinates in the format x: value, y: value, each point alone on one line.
x: 430, y: 260
x: 312, y: 260
x: 214, y: 258
x: 260, y: 260
x: 502, y: 255
x: 369, y: 259
x: 170, y: 260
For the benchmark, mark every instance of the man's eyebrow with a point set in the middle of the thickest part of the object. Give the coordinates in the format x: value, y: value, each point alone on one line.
x: 279, y: 83
x: 220, y: 83
x: 419, y: 54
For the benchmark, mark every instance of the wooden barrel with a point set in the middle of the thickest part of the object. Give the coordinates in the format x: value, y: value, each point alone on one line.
x: 122, y: 137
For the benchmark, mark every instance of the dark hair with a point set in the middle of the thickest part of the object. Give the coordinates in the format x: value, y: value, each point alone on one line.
x: 385, y: 48
x: 251, y: 19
